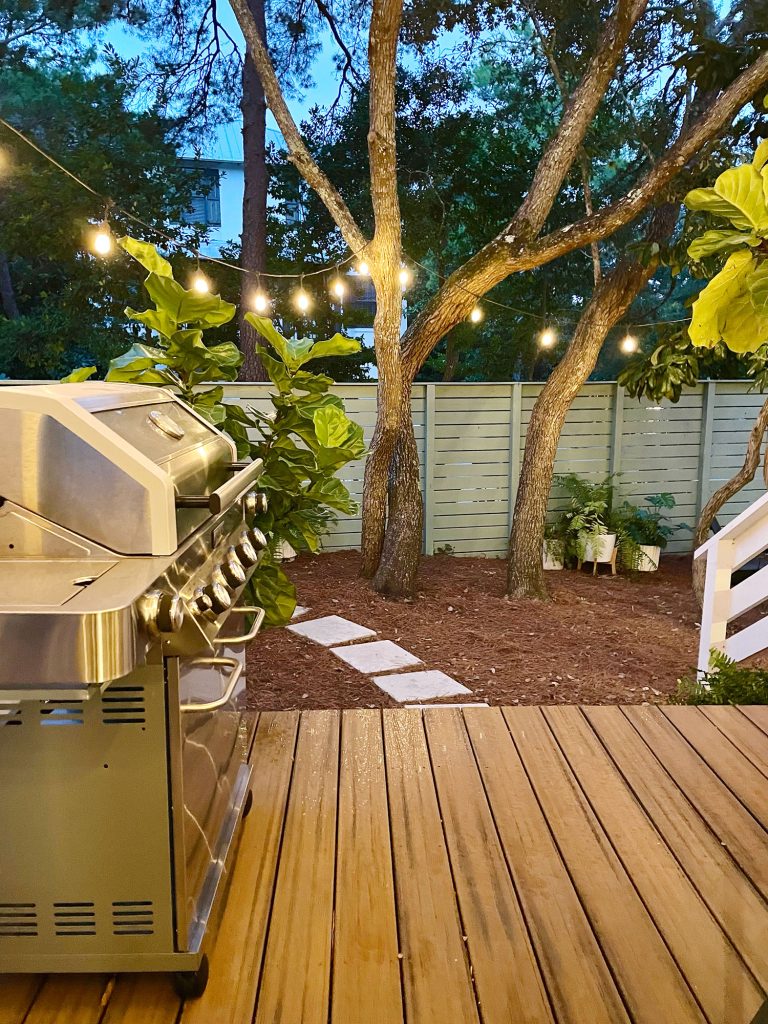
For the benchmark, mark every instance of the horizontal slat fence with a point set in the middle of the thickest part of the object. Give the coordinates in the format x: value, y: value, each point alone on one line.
x: 471, y: 439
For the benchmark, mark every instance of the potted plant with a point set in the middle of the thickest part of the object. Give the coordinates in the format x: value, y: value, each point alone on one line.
x: 584, y: 524
x: 644, y: 532
x: 554, y: 546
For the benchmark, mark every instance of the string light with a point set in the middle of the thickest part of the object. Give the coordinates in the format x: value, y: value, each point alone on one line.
x: 628, y: 344
x: 363, y: 269
x: 200, y: 283
x: 338, y: 288
x: 101, y: 242
x: 260, y: 302
x: 476, y: 315
x: 301, y: 299
x: 548, y: 338
x: 405, y: 277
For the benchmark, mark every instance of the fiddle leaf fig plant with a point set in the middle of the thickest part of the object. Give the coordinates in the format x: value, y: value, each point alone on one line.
x: 304, y: 440
x: 733, y: 307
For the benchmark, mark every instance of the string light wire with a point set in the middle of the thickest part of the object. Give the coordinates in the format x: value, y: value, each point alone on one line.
x: 111, y: 205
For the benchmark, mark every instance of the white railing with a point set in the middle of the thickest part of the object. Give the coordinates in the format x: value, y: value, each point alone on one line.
x: 743, y: 539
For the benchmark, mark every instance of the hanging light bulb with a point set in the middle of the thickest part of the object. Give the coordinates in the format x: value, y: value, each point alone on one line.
x: 548, y: 338
x: 363, y: 269
x: 301, y: 299
x: 260, y: 302
x: 628, y: 344
x: 405, y: 277
x: 476, y: 315
x: 200, y: 282
x: 101, y: 243
x: 338, y: 289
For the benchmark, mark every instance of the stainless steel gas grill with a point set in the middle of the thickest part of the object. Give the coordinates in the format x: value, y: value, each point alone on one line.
x: 126, y: 540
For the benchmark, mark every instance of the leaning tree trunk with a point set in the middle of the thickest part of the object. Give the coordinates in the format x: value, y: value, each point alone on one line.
x: 723, y: 494
x: 253, y: 256
x: 610, y: 300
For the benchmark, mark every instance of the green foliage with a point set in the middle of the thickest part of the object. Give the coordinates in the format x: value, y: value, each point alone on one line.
x: 587, y: 514
x: 663, y: 374
x: 637, y: 525
x: 726, y: 683
x: 303, y: 443
x: 733, y: 307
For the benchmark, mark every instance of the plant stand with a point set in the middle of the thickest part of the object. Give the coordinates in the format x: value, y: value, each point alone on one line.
x: 610, y: 561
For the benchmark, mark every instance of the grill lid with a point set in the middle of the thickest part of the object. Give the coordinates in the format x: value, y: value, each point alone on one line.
x: 108, y: 462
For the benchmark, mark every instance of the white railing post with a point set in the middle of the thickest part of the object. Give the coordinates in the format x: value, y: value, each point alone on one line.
x: 716, y: 607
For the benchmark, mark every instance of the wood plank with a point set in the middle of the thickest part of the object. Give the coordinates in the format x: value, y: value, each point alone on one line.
x: 721, y: 982
x: 743, y: 734
x: 297, y: 967
x: 148, y: 998
x: 71, y: 999
x: 742, y: 913
x: 436, y: 977
x: 366, y: 969
x: 490, y: 910
x: 17, y: 993
x: 757, y: 714
x: 651, y: 983
x: 734, y: 826
x: 577, y: 977
x: 728, y: 763
x: 237, y: 954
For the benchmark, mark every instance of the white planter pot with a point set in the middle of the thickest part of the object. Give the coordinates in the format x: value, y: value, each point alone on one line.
x: 649, y: 558
x: 599, y: 549
x: 553, y: 554
x: 284, y: 552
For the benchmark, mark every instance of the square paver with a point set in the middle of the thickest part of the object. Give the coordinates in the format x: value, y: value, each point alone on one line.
x: 379, y: 656
x: 299, y: 611
x: 420, y: 685
x: 330, y: 630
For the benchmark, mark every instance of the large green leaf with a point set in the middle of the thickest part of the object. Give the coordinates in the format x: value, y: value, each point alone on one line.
x: 338, y: 345
x: 760, y: 159
x: 757, y: 285
x: 742, y: 329
x: 147, y: 255
x: 156, y: 319
x: 276, y: 370
x: 333, y: 493
x: 79, y: 375
x: 332, y: 427
x: 705, y: 327
x: 707, y: 200
x: 186, y: 306
x: 271, y: 590
x: 289, y: 350
x: 742, y: 187
x: 719, y: 241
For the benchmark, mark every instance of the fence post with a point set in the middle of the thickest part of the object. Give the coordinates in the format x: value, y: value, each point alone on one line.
x: 515, y: 431
x: 429, y: 468
x: 617, y: 435
x: 706, y: 437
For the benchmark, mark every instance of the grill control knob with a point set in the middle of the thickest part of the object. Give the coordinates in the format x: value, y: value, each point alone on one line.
x: 257, y: 539
x: 232, y: 573
x: 255, y: 503
x: 246, y: 553
x: 219, y: 597
x: 201, y: 602
x: 162, y: 613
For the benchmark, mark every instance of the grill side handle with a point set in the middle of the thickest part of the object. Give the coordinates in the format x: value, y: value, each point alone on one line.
x: 228, y: 493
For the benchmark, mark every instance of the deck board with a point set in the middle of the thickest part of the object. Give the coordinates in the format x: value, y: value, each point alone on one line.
x: 488, y: 865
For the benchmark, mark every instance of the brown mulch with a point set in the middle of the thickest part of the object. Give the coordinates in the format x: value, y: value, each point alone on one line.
x: 605, y: 640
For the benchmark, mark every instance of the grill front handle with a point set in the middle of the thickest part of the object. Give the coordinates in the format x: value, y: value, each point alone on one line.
x: 228, y: 493
x: 233, y: 641
x: 212, y: 705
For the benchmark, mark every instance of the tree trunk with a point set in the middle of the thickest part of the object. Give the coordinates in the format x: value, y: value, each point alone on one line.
x: 7, y: 294
x: 610, y: 300
x: 399, y: 562
x: 253, y: 257
x: 723, y: 494
x: 451, y: 359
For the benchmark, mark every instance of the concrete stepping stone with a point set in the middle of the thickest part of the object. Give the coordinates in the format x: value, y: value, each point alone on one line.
x: 378, y: 656
x: 330, y: 630
x: 299, y: 611
x: 418, y: 686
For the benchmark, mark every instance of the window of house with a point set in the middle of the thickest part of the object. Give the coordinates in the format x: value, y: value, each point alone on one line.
x: 206, y: 199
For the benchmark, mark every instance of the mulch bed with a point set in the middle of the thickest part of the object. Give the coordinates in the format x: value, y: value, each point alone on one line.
x: 605, y: 640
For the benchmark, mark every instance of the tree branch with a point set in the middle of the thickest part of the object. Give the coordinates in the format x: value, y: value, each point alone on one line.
x: 382, y: 62
x: 508, y: 253
x: 297, y: 149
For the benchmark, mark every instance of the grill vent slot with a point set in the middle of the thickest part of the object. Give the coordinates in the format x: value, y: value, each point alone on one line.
x: 62, y: 712
x: 74, y: 918
x: 123, y: 705
x: 133, y: 917
x: 17, y: 919
x: 11, y: 717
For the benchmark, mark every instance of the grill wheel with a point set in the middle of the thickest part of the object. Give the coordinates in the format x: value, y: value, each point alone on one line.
x: 192, y: 984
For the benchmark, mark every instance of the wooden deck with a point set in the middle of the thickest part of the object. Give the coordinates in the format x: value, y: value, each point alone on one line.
x: 491, y: 866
